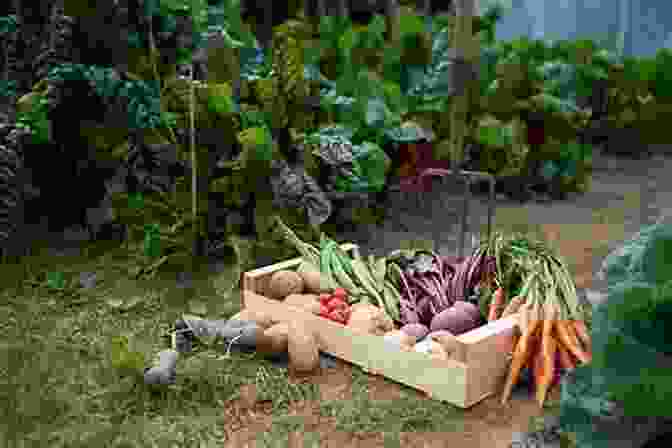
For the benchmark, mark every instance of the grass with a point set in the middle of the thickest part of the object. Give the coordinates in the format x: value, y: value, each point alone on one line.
x: 59, y: 389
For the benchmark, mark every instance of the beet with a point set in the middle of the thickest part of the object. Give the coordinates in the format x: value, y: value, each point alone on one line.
x: 418, y: 330
x: 453, y: 319
x: 469, y: 308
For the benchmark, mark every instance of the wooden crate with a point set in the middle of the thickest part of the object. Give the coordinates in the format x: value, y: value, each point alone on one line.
x: 477, y: 373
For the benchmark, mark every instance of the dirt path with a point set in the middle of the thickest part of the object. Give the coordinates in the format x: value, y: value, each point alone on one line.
x: 487, y: 424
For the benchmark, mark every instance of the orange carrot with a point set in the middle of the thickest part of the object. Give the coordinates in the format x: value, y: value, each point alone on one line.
x: 567, y: 337
x: 496, y: 305
x: 566, y: 360
x: 513, y: 306
x: 537, y: 366
x: 548, y: 348
x: 583, y: 334
x: 522, y: 352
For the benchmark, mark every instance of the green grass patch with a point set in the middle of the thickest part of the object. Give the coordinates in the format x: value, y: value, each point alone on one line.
x: 58, y: 387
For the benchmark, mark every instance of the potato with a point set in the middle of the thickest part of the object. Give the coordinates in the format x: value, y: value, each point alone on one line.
x: 370, y: 319
x: 313, y: 282
x: 308, y: 302
x: 284, y: 283
x: 261, y: 318
x: 279, y: 336
x: 304, y: 356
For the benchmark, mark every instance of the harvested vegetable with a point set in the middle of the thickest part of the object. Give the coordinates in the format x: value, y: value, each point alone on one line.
x: 565, y: 358
x: 424, y: 278
x: 453, y: 319
x: 469, y: 273
x: 304, y: 356
x: 548, y: 349
x: 584, y: 336
x: 284, y: 283
x: 496, y: 305
x: 279, y: 336
x: 313, y: 282
x: 566, y: 336
x: 513, y: 306
x: 308, y: 302
x: 418, y: 331
x: 470, y: 309
x: 262, y: 318
x: 370, y: 319
x: 524, y: 350
x: 339, y: 315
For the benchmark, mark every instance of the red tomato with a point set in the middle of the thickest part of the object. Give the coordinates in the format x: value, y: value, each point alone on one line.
x: 337, y: 304
x: 338, y: 316
x: 325, y: 298
x: 324, y: 311
x: 340, y: 292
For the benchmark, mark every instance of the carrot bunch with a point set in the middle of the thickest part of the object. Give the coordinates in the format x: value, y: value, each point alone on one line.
x: 552, y: 332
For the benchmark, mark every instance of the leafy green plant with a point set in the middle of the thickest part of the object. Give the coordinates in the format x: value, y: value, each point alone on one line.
x: 36, y: 120
x: 141, y: 98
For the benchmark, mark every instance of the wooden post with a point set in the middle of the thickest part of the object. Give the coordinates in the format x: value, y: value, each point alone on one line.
x: 465, y: 51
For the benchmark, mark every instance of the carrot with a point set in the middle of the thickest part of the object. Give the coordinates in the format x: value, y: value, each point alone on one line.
x: 523, y: 350
x: 584, y: 336
x: 548, y: 348
x: 537, y: 366
x: 496, y: 304
x: 567, y: 337
x: 513, y: 306
x: 566, y: 360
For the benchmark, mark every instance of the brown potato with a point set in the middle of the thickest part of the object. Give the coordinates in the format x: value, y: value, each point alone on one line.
x: 313, y: 282
x: 308, y: 302
x: 284, y: 283
x: 370, y: 319
x: 304, y: 356
x: 261, y: 318
x: 279, y: 337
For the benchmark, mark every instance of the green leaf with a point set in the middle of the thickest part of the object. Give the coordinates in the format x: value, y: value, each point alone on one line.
x: 56, y: 280
x: 410, y: 24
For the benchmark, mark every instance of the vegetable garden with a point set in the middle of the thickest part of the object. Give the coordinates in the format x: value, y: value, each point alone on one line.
x: 252, y: 154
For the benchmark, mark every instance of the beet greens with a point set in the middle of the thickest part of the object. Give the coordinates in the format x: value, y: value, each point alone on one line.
x: 431, y: 283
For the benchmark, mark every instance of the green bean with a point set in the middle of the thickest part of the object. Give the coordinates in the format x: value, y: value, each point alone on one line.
x: 325, y: 264
x: 340, y: 275
x: 392, y: 300
x: 363, y: 275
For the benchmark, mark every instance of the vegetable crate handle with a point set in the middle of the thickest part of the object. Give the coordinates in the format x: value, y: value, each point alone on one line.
x: 423, y: 183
